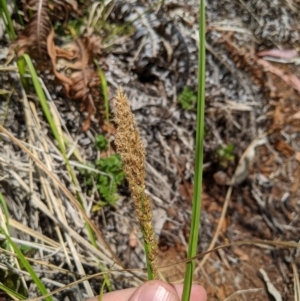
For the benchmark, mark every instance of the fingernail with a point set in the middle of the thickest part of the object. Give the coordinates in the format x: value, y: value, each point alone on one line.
x: 157, y: 292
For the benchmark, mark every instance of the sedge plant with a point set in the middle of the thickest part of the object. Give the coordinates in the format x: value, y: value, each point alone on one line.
x: 132, y: 151
x: 197, y: 195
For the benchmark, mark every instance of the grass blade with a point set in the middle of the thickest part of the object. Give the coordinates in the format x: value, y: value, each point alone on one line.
x: 5, y: 15
x: 197, y: 196
x: 5, y: 210
x: 40, y: 93
x: 14, y: 295
x: 104, y: 90
x: 7, y: 19
x: 60, y: 140
x: 27, y: 266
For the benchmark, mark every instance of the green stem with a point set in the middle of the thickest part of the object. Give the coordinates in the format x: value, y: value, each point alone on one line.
x: 147, y: 246
x: 27, y: 265
x: 104, y: 90
x: 147, y: 253
x: 197, y: 196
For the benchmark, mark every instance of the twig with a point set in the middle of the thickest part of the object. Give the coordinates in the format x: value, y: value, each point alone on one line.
x: 270, y: 286
x: 296, y: 282
x: 241, y: 292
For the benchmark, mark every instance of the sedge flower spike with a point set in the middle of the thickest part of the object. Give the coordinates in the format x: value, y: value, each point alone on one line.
x: 132, y: 151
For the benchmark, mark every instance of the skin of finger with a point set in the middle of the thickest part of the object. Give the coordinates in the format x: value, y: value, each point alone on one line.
x: 122, y: 295
x: 198, y: 293
x: 154, y: 285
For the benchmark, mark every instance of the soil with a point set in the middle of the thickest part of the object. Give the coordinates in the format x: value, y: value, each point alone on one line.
x: 249, y: 98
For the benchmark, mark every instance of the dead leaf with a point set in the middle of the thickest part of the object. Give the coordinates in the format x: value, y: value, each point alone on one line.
x: 35, y: 33
x: 287, y: 54
x: 241, y: 255
x: 278, y: 117
x: 186, y: 191
x: 296, y: 176
x: 52, y: 52
x: 221, y: 293
x: 297, y: 156
x: 61, y: 9
x: 291, y: 79
x: 83, y: 82
x: 284, y: 148
x: 109, y: 128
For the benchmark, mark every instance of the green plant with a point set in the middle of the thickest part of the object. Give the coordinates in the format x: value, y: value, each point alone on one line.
x: 197, y: 196
x: 107, y: 188
x: 225, y: 154
x: 187, y: 99
x: 27, y: 265
x: 107, y: 181
x: 104, y: 90
x: 101, y: 143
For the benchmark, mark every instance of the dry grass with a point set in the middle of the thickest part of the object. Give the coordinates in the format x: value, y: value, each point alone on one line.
x: 243, y: 101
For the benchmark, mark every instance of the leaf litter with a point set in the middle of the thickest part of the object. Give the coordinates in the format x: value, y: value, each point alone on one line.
x: 246, y: 96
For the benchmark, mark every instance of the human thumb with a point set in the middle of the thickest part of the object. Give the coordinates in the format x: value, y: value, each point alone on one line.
x: 155, y: 290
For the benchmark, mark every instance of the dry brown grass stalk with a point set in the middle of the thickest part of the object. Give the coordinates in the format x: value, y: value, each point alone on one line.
x: 131, y: 148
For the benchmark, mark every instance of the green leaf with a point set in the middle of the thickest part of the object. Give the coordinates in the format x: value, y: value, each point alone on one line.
x: 101, y: 143
x: 108, y: 182
x: 104, y: 90
x: 11, y: 292
x: 187, y: 99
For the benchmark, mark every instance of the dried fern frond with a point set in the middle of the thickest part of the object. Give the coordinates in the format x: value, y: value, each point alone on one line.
x: 85, y: 81
x: 35, y: 33
x: 80, y: 80
x: 60, y: 9
x: 38, y: 28
x: 84, y: 87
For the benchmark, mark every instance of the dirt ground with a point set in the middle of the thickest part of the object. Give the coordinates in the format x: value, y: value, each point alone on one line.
x: 252, y: 104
